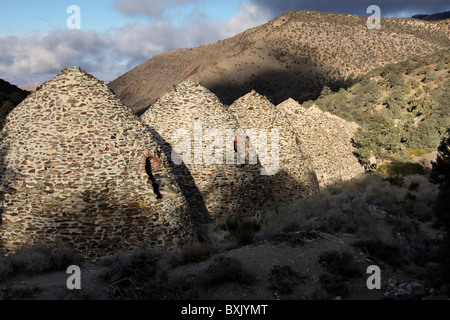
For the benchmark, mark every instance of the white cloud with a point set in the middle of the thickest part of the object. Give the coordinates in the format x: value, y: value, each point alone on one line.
x: 110, y: 54
x: 151, y: 8
x: 398, y: 8
x: 250, y: 15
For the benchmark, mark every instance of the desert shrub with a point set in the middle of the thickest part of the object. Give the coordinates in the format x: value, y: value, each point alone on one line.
x: 292, y: 233
x: 396, y: 100
x: 62, y: 258
x: 38, y: 259
x: 426, y: 135
x: 341, y: 267
x: 196, y: 252
x: 139, y: 265
x: 416, y: 152
x: 334, y: 284
x: 223, y: 270
x: 422, y: 212
x: 283, y: 279
x: 361, y: 221
x: 388, y: 251
x: 243, y: 231
x: 387, y: 196
x: 138, y: 275
x: 340, y: 263
x: 293, y: 239
x: 335, y: 220
x: 426, y: 191
x: 417, y: 246
x: 430, y: 76
x: 441, y: 175
x: 400, y: 169
x: 414, y: 186
x: 5, y: 269
x: 18, y: 293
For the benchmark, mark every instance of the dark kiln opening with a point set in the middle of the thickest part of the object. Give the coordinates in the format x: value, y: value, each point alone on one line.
x: 151, y: 178
x: 239, y: 149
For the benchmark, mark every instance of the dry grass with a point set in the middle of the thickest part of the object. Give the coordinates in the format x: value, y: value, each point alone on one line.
x: 283, y: 279
x: 224, y: 270
x: 388, y: 220
x: 138, y: 275
x: 196, y: 252
x: 341, y: 267
x: 38, y: 259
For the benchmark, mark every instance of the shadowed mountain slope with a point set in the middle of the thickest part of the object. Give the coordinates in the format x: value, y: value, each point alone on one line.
x: 292, y: 56
x: 10, y: 96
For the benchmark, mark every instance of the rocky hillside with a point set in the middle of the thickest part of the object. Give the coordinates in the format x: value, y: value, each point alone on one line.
x: 292, y: 56
x: 433, y: 17
x: 402, y: 109
x: 10, y: 96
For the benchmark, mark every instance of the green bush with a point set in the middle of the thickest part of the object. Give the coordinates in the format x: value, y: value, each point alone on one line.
x: 416, y: 152
x: 430, y: 76
x: 441, y: 175
x: 394, y: 172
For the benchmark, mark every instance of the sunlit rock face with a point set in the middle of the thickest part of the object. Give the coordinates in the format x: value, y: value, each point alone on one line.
x: 328, y: 140
x: 293, y: 176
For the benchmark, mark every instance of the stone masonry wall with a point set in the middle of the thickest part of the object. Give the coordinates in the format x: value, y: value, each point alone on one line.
x: 295, y: 178
x: 216, y: 191
x: 73, y: 164
x: 328, y: 141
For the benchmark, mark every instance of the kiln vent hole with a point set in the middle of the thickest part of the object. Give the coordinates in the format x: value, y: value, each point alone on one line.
x: 241, y: 158
x: 151, y: 178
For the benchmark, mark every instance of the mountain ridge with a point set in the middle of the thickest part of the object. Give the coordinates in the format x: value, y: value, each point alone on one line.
x: 10, y: 97
x: 433, y: 17
x: 292, y: 56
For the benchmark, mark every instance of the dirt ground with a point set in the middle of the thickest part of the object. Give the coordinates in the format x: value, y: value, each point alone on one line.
x: 259, y: 258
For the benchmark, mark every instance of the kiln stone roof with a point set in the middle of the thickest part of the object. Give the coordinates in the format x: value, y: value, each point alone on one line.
x: 73, y: 163
x: 223, y: 190
x: 328, y: 141
x: 296, y: 178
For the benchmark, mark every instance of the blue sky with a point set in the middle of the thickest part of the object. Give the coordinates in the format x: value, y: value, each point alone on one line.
x: 25, y: 16
x: 22, y: 16
x: 117, y: 35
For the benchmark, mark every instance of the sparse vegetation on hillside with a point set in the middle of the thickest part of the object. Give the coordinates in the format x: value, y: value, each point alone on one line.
x: 390, y: 225
x: 341, y: 267
x: 10, y: 97
x: 400, y: 107
x: 394, y: 217
x: 376, y: 211
x: 37, y: 259
x: 293, y: 56
x: 441, y: 175
x: 139, y: 275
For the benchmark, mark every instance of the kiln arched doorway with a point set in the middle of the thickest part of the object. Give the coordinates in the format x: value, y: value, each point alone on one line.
x: 151, y: 178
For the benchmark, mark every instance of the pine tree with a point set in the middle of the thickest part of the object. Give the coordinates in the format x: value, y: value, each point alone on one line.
x: 441, y: 175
